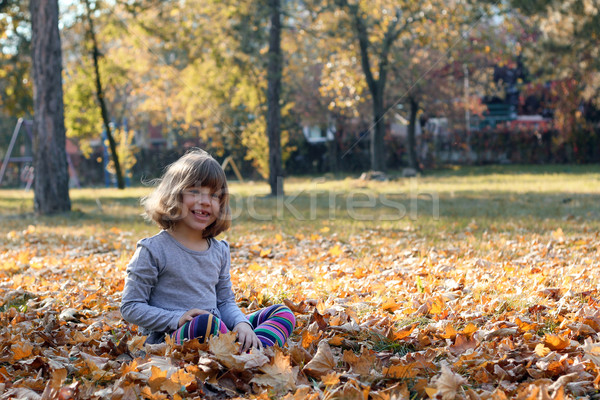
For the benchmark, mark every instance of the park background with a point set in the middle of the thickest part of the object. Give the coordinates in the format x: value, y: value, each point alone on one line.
x: 466, y: 269
x: 481, y: 82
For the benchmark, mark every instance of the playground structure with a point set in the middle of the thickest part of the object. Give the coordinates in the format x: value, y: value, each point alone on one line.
x: 22, y: 141
x: 27, y: 171
x: 230, y: 161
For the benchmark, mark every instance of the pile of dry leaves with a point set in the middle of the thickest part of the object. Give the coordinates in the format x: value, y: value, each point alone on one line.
x: 380, y: 316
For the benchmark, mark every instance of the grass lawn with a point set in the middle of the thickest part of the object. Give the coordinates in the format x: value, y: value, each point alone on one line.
x: 473, y: 281
x: 512, y: 199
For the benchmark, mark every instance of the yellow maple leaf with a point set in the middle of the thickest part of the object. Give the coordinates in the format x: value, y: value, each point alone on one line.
x: 147, y: 393
x: 558, y: 234
x: 437, y: 306
x: 469, y: 329
x: 177, y: 381
x: 157, y: 378
x: 336, y: 250
x: 450, y: 332
x: 541, y: 350
x: 265, y: 252
x: 255, y: 267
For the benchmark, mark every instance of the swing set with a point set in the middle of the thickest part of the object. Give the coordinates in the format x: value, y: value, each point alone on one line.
x: 27, y: 171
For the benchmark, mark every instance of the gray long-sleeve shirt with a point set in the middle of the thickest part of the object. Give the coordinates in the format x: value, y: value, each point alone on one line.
x: 165, y: 279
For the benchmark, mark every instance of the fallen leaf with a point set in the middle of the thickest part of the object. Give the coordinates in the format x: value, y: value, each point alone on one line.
x: 360, y: 364
x: 336, y: 251
x: 330, y: 379
x: 278, y: 374
x: 541, y: 350
x: 21, y: 350
x: 591, y: 351
x: 556, y: 342
x: 401, y: 371
x: 448, y: 383
x: 322, y: 363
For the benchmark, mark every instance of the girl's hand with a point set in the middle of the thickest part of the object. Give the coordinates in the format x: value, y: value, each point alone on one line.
x: 190, y: 314
x: 247, y: 337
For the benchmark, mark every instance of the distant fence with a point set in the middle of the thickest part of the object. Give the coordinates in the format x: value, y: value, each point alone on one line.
x: 509, y: 145
x: 503, y: 144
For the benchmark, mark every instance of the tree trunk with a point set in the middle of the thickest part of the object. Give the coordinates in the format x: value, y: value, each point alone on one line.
x: 51, y: 187
x: 100, y: 97
x: 378, y: 134
x: 274, y: 70
x: 413, y: 160
x: 376, y: 86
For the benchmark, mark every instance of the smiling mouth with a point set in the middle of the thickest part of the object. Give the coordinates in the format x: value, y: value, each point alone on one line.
x: 201, y: 213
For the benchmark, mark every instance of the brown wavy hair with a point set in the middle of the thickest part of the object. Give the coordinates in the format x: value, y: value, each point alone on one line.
x: 195, y: 168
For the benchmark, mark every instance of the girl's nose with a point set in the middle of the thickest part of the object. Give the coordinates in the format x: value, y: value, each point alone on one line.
x: 203, y: 198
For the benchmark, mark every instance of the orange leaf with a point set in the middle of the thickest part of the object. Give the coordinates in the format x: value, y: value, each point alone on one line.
x: 401, y: 371
x: 177, y: 381
x: 469, y: 329
x: 332, y: 378
x: 337, y: 340
x: 157, y: 378
x: 300, y: 308
x: 309, y: 338
x: 450, y: 332
x: 404, y: 333
x: 21, y: 350
x: 4, y: 375
x: 526, y: 325
x: 556, y: 342
x: 390, y: 305
x: 437, y: 306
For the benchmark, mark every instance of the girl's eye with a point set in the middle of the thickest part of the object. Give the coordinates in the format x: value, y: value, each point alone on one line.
x: 191, y: 192
x: 197, y: 193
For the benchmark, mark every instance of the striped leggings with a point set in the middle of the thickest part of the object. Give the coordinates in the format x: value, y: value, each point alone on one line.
x: 272, y: 325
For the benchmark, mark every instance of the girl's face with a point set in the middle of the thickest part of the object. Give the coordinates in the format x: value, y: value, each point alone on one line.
x: 200, y: 208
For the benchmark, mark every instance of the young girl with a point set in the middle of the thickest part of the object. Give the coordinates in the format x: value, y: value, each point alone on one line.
x: 178, y: 280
